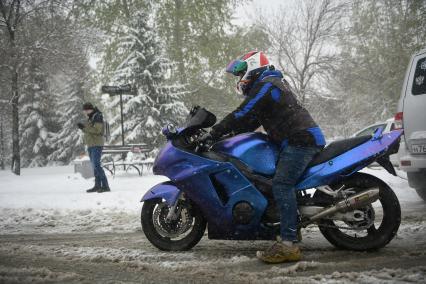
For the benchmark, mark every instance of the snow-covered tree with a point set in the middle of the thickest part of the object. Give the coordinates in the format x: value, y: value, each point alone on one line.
x: 37, y: 113
x: 140, y: 62
x: 68, y: 141
x: 38, y: 40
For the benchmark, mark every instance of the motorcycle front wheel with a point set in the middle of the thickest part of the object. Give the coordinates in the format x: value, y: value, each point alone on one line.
x: 381, y: 218
x: 179, y: 234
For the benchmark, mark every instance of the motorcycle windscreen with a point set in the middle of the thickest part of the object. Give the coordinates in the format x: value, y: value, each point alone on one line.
x: 199, y: 118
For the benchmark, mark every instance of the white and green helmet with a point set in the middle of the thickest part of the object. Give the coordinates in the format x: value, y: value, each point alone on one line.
x: 246, y: 67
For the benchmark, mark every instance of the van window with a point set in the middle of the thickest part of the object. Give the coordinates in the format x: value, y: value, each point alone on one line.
x: 419, y: 81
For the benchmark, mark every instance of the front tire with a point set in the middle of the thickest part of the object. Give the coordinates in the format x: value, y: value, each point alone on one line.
x: 373, y: 238
x: 178, y: 235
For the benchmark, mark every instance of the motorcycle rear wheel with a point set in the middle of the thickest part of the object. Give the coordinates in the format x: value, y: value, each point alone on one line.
x: 179, y: 235
x: 374, y: 238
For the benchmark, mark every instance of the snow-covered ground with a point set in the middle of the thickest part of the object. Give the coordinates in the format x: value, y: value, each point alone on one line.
x: 54, y: 199
x: 53, y: 231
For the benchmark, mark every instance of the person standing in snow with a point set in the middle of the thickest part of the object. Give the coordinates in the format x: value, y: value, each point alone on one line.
x: 94, y: 139
x: 269, y: 102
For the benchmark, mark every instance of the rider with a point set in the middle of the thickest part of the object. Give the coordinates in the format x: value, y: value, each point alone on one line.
x: 269, y: 102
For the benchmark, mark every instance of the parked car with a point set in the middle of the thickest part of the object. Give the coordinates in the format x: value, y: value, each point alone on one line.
x: 388, y: 125
x: 411, y: 115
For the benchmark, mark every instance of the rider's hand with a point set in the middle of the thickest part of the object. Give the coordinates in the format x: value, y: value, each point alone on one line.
x: 206, y: 138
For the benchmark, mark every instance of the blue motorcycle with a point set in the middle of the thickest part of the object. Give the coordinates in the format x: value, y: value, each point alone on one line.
x: 227, y: 188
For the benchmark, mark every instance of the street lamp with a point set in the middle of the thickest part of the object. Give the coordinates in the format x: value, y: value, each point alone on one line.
x: 119, y: 91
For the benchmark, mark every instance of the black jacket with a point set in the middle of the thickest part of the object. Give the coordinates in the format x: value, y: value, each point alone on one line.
x: 272, y: 104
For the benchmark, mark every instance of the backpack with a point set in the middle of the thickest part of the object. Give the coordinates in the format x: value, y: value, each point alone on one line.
x: 105, y: 128
x: 106, y: 131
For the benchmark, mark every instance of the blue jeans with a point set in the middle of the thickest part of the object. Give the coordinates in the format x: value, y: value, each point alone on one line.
x: 291, y: 165
x: 95, y: 154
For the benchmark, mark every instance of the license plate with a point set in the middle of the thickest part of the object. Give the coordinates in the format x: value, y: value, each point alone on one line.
x: 418, y: 149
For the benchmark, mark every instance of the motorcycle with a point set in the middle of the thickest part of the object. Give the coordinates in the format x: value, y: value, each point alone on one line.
x: 226, y: 187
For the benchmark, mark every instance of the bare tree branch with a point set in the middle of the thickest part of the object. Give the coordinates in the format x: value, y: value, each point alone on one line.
x: 301, y: 41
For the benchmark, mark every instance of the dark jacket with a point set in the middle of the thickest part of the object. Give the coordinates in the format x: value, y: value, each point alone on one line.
x: 272, y: 104
x: 93, y: 129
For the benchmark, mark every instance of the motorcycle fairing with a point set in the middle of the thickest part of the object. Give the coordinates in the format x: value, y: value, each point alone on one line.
x: 260, y: 155
x: 253, y: 149
x: 165, y: 190
x: 348, y: 162
x: 200, y: 178
x: 217, y: 192
x: 204, y: 181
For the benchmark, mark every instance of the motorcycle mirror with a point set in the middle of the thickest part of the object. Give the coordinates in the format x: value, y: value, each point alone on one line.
x: 169, y: 130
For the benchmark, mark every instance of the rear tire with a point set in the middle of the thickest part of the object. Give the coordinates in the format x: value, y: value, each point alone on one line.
x: 152, y: 233
x: 376, y: 237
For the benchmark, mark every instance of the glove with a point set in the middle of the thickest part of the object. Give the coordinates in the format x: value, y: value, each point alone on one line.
x: 206, y: 138
x: 80, y: 125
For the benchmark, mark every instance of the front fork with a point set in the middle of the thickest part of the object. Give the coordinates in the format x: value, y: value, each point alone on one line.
x: 174, y: 211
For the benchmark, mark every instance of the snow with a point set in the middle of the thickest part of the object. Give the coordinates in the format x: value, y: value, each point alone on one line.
x: 385, y: 275
x: 399, y: 185
x: 82, y: 158
x: 140, y: 63
x: 35, y: 275
x: 230, y: 265
x: 54, y: 199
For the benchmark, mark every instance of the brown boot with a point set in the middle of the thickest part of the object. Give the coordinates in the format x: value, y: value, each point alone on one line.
x: 279, y: 253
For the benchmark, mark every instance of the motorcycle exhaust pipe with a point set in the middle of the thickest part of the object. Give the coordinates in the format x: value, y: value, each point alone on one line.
x: 348, y: 204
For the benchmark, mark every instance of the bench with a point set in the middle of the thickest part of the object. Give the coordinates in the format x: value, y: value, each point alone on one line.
x: 123, y: 151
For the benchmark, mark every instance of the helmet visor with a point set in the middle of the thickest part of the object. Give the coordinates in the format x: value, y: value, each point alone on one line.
x: 236, y: 67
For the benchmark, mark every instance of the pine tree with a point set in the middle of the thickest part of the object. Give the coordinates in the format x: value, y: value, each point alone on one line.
x: 155, y: 102
x: 68, y: 141
x: 38, y: 124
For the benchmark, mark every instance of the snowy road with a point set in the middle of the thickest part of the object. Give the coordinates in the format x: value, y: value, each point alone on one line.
x: 51, y: 231
x: 117, y: 257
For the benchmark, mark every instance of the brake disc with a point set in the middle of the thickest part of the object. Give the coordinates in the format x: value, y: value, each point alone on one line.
x: 369, y: 216
x: 172, y: 228
x: 367, y: 222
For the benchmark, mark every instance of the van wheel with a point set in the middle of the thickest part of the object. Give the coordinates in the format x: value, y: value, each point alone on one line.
x: 421, y: 192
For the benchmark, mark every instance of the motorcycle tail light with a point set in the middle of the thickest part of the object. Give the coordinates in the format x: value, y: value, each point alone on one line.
x: 398, y: 120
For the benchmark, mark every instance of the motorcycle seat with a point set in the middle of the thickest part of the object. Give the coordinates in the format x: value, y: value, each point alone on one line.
x: 337, y: 148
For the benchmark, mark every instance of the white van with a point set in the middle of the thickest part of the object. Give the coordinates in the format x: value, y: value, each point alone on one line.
x: 411, y: 115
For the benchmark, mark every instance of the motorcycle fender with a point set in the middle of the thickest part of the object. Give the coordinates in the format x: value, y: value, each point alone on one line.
x: 165, y: 190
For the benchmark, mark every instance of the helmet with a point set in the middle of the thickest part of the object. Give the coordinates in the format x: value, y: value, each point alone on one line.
x: 248, y: 67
